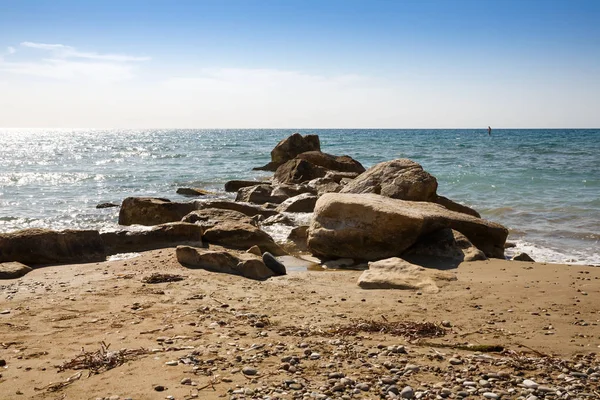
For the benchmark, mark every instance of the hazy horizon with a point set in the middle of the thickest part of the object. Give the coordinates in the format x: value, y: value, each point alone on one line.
x: 247, y: 64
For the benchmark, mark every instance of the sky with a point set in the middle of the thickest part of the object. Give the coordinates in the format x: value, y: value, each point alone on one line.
x: 300, y: 64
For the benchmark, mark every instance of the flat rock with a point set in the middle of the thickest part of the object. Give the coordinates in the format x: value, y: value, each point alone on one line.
x: 44, y: 246
x: 250, y: 210
x: 13, y: 270
x: 186, y: 191
x: 301, y: 203
x: 396, y: 273
x: 209, y: 217
x: 152, y: 211
x: 158, y: 237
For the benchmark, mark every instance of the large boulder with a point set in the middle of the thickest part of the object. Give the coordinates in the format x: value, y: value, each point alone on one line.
x: 302, y: 203
x: 373, y: 227
x: 239, y: 235
x: 152, y: 211
x: 243, y: 264
x: 209, y: 217
x: 289, y: 148
x: 259, y: 194
x: 13, y: 270
x: 158, y: 237
x: 331, y: 162
x: 399, y: 179
x: 248, y: 209
x: 44, y: 246
x: 298, y: 171
x: 396, y: 273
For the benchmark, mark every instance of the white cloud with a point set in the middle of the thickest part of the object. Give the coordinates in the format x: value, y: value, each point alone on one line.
x: 69, y: 64
x: 63, y: 51
x: 11, y: 50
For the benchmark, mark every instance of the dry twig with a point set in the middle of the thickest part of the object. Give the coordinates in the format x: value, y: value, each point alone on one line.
x: 102, y: 360
x: 161, y: 278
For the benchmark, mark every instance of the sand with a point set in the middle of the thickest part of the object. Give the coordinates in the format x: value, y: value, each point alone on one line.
x: 213, y: 325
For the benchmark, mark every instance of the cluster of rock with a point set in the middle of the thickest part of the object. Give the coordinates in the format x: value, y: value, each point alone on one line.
x: 390, y: 210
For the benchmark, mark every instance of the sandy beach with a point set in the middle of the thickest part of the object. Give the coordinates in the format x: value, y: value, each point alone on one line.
x: 215, y: 335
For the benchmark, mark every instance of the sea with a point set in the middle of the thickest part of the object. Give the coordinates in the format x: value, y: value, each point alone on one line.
x: 542, y: 184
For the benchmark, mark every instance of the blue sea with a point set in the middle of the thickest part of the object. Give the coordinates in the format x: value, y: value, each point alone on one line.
x: 544, y: 185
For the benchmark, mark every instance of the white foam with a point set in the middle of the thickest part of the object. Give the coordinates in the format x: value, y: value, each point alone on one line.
x: 547, y: 255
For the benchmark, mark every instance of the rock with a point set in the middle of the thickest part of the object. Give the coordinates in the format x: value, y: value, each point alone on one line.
x: 254, y: 250
x: 455, y: 361
x: 184, y: 191
x: 522, y: 257
x: 293, y: 145
x: 234, y: 186
x: 277, y: 219
x: 242, y: 264
x: 373, y: 227
x: 401, y: 179
x: 249, y: 371
x: 152, y: 211
x: 339, y: 176
x: 454, y: 206
x: 239, y: 235
x: 407, y: 393
x: 44, y: 246
x: 332, y: 163
x: 209, y: 217
x: 302, y: 203
x: 13, y: 270
x: 259, y: 194
x: 529, y: 384
x: 106, y: 205
x: 292, y: 190
x: 160, y: 236
x: 444, y: 244
x: 396, y: 273
x: 490, y: 395
x: 325, y: 185
x: 298, y: 233
x: 298, y: 171
x: 248, y: 209
x: 273, y: 264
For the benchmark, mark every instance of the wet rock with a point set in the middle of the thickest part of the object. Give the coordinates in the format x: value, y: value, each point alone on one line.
x: 273, y: 264
x: 192, y: 192
x: 106, y: 205
x: 522, y: 257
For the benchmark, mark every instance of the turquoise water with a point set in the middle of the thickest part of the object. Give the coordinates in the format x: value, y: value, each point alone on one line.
x: 544, y: 185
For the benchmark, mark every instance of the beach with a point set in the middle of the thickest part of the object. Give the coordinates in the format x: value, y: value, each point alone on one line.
x: 210, y: 326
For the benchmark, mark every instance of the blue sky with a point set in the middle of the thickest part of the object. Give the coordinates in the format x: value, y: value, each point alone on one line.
x: 359, y: 64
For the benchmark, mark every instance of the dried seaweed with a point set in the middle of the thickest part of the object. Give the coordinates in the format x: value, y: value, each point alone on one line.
x: 56, y: 386
x: 161, y: 278
x: 408, y: 329
x: 102, y: 360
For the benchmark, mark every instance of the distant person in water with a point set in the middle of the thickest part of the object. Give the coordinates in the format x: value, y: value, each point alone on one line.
x: 489, y: 131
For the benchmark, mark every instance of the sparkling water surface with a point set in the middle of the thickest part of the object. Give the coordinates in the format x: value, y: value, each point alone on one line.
x: 544, y: 185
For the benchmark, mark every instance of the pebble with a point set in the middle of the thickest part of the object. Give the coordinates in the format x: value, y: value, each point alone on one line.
x: 407, y: 393
x: 411, y: 368
x: 160, y: 388
x: 529, y: 384
x: 172, y: 363
x: 490, y: 395
x: 186, y: 381
x: 364, y: 387
x: 455, y: 361
x: 249, y: 371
